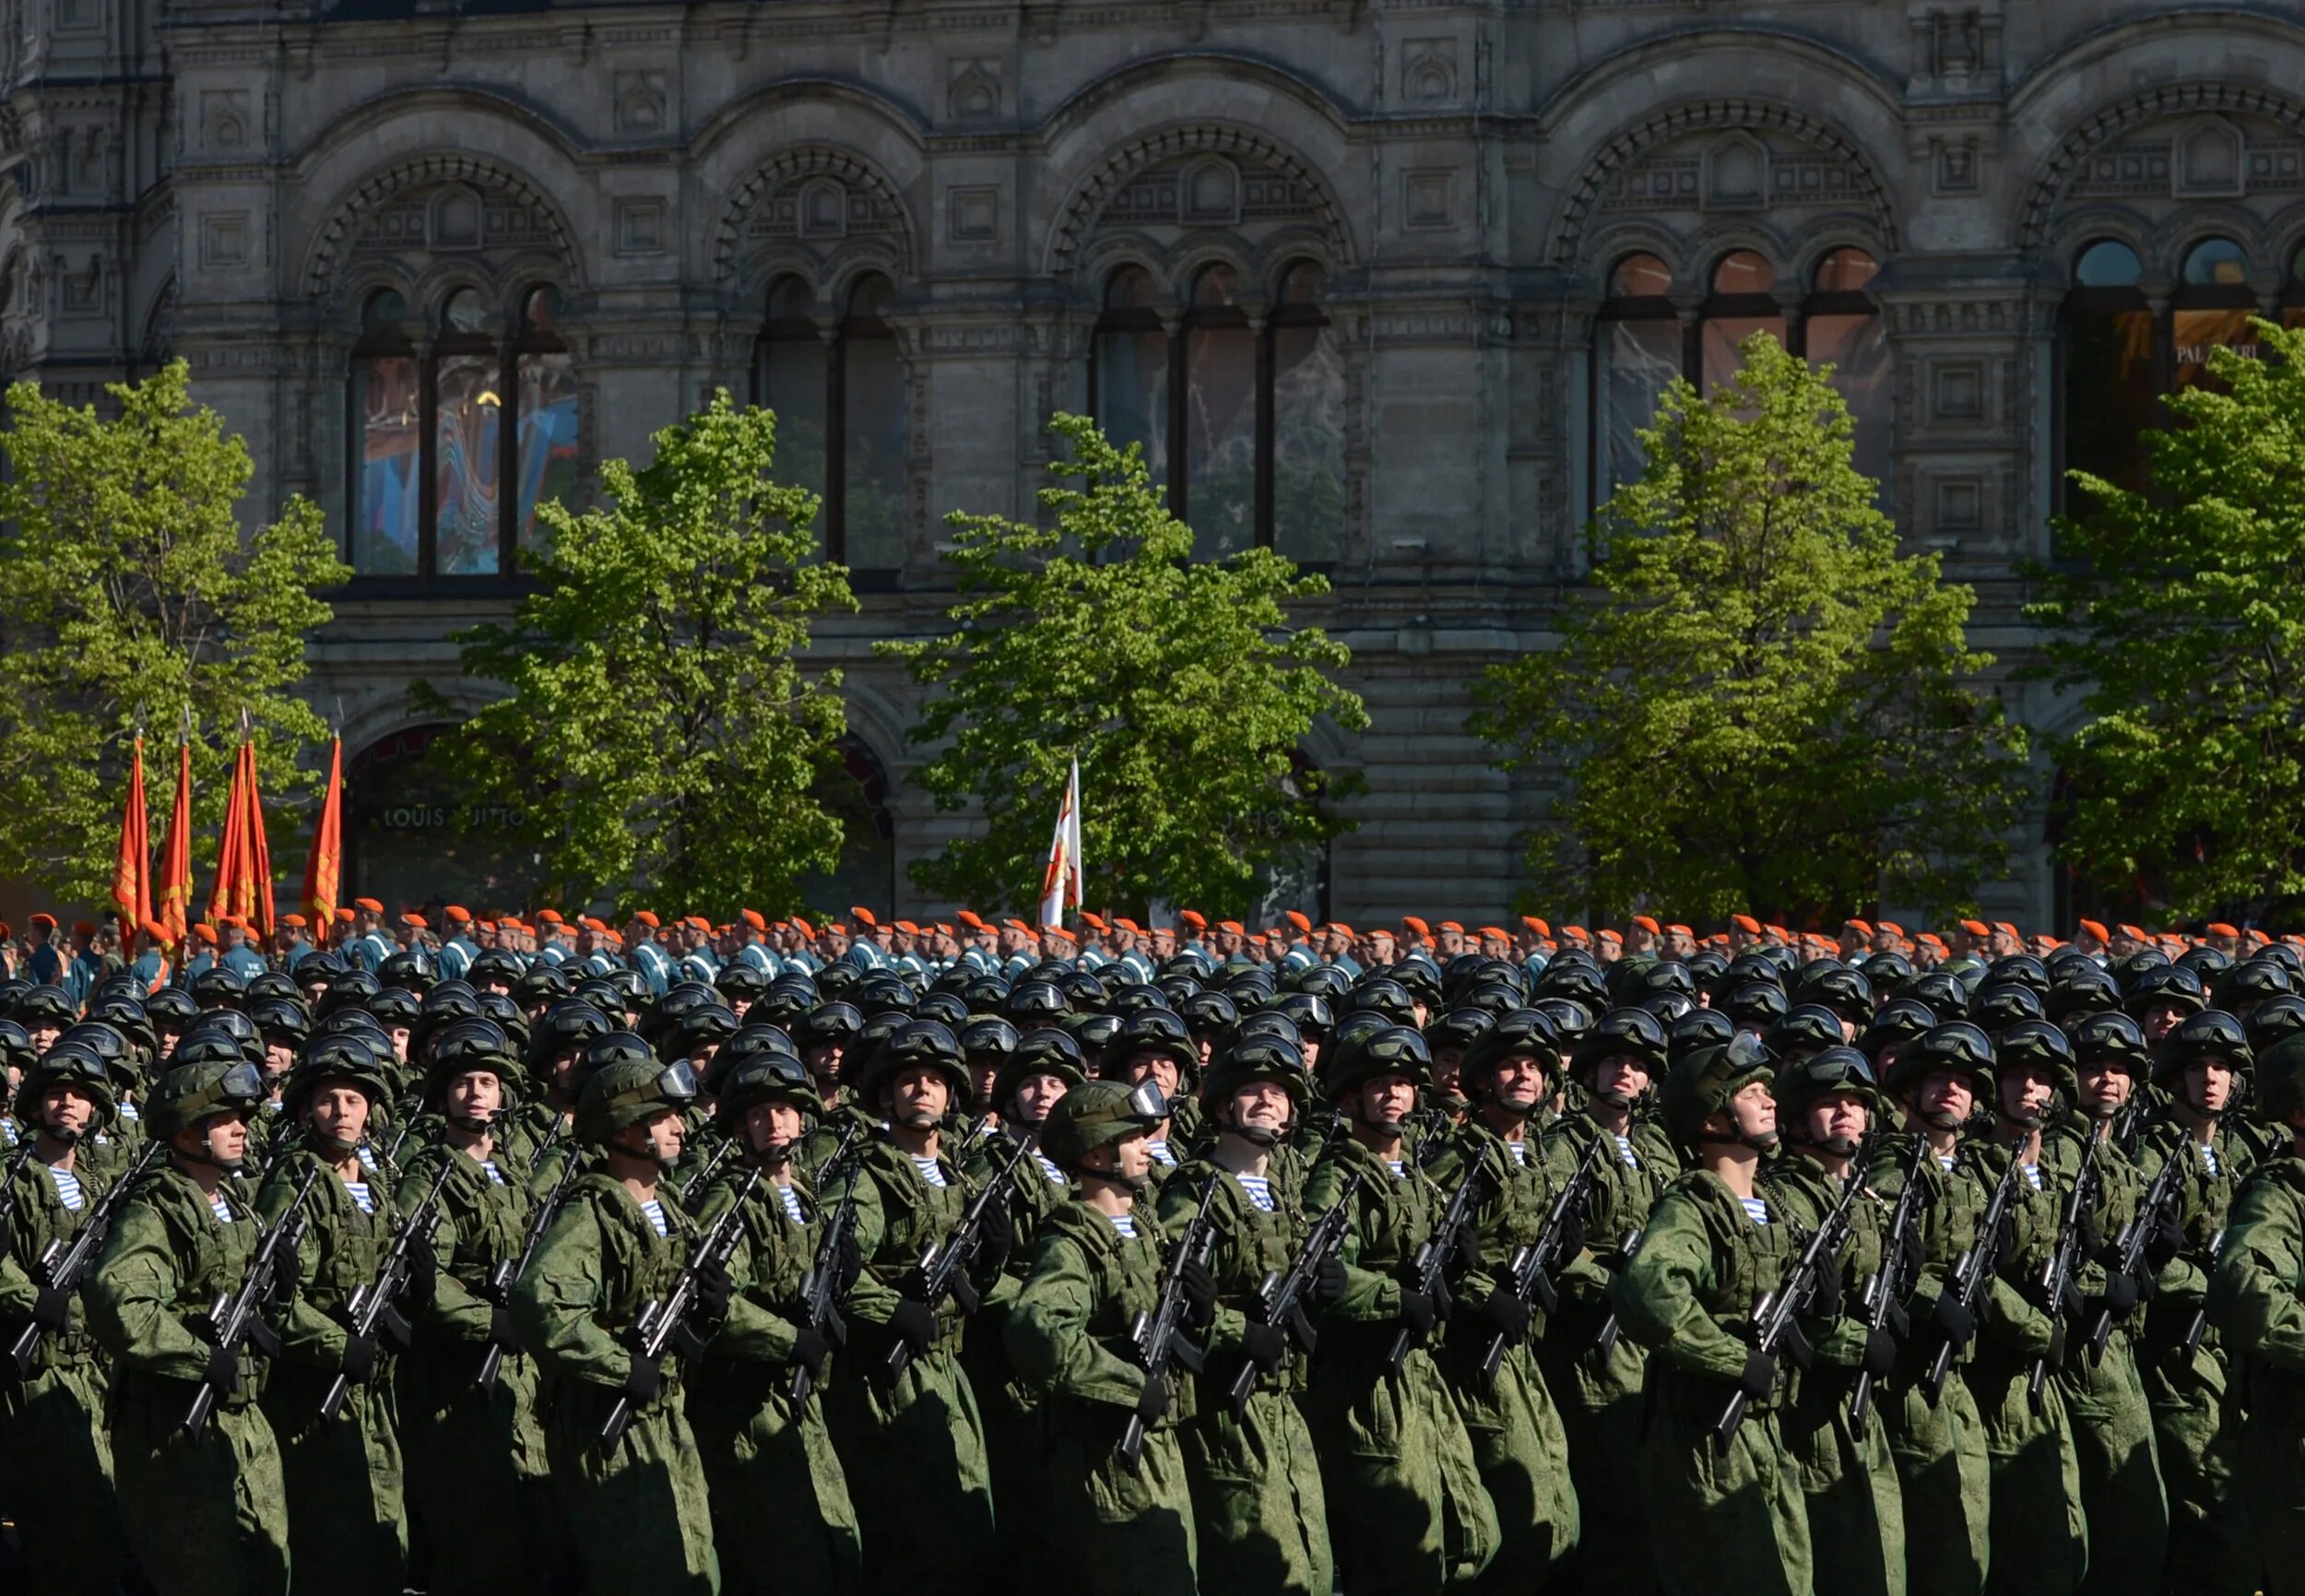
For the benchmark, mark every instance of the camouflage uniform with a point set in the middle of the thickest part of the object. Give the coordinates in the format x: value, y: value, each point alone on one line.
x: 2257, y: 1302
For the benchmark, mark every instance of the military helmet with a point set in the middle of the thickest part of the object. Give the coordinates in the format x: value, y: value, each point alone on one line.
x: 1886, y: 972
x: 2168, y: 984
x: 171, y: 1008
x: 881, y: 990
x: 1261, y: 1057
x: 631, y: 1091
x: 2022, y: 969
x: 1955, y: 1047
x: 944, y: 1006
x: 1383, y: 995
x: 910, y: 1044
x: 107, y: 1042
x: 539, y: 984
x: 217, y: 986
x: 827, y: 1025
x: 469, y: 1047
x: 1036, y: 1004
x: 2082, y: 988
x: 1896, y: 1022
x: 1388, y: 1050
x: 2254, y: 981
x: 350, y: 991
x: 2040, y: 1045
x: 1095, y: 1033
x: 396, y: 1007
x: 45, y: 1003
x: 1310, y: 1012
x: 2112, y: 1036
x: 2272, y: 1020
x: 1829, y: 984
x: 283, y: 1022
x: 273, y: 984
x: 188, y: 1095
x: 1757, y: 1006
x: 494, y: 966
x: 1457, y: 1027
x: 340, y: 1061
x: 1098, y: 1114
x: 706, y: 1025
x: 2207, y: 963
x: 1521, y: 1033
x: 2280, y: 1080
x: 740, y: 978
x: 2212, y: 1034
x: 1806, y: 1027
x: 988, y: 1039
x: 1804, y: 1081
x: 233, y: 1026
x: 409, y: 970
x: 1213, y: 1013
x: 1047, y: 1052
x: 1163, y: 1033
x: 1944, y: 994
x: 1697, y: 1028
x: 16, y: 1046
x: 1622, y: 1034
x: 67, y: 1063
x: 1576, y: 982
x: 1323, y: 980
x: 568, y: 1023
x: 765, y: 1077
x: 1273, y: 1022
x: 1135, y: 998
x: 1699, y: 1085
x: 2001, y: 1004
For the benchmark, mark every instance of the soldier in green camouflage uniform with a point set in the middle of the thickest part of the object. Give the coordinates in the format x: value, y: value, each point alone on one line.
x: 1826, y: 1105
x: 344, y: 1493
x: 1096, y: 1266
x: 2212, y: 1547
x: 1259, y: 1515
x: 914, y: 1444
x: 465, y: 1441
x: 1407, y: 1512
x: 1732, y: 1517
x: 2257, y: 1302
x: 1516, y: 1430
x: 761, y: 1444
x: 2041, y: 1541
x: 2112, y: 1425
x: 638, y: 1514
x: 1598, y: 1386
x: 205, y: 1511
x: 56, y: 1460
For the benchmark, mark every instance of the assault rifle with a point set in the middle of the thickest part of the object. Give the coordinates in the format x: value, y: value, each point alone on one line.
x: 1432, y: 1259
x: 2200, y: 1322
x: 944, y: 1269
x: 664, y: 1323
x: 818, y: 1311
x: 237, y: 1317
x: 1881, y: 1304
x: 1281, y: 1297
x: 62, y: 1268
x: 508, y: 1271
x: 1973, y: 1273
x: 377, y: 1301
x: 1158, y: 1337
x: 1605, y: 1343
x: 2064, y: 1262
x: 1816, y: 1279
x: 1530, y: 1277
x: 2129, y: 1245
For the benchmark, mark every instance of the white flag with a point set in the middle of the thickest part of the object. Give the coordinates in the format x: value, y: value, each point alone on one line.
x: 1061, y: 885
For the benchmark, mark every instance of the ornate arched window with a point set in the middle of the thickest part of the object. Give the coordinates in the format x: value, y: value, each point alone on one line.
x: 2212, y: 309
x: 437, y: 432
x: 1642, y: 340
x: 2107, y: 373
x: 1256, y: 393
x: 838, y: 391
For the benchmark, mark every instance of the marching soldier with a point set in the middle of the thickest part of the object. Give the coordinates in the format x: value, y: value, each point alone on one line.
x: 636, y: 1506
x: 1259, y: 1515
x: 1096, y: 1266
x: 55, y: 1459
x: 761, y: 1442
x: 204, y: 1509
x: 1407, y: 1512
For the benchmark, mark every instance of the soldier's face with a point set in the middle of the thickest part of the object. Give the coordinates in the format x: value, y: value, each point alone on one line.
x: 44, y: 1035
x: 2209, y: 1085
x: 222, y: 1141
x: 66, y: 1112
x: 340, y: 1113
x: 1837, y: 1121
x: 1157, y: 1068
x: 1620, y: 1080
x: 1945, y: 1099
x: 1036, y: 1096
x: 2024, y: 1095
x: 768, y: 1125
x: 1755, y: 1110
x: 2159, y: 1020
x: 1128, y: 1160
x: 1388, y: 1100
x: 2104, y: 1088
x: 279, y: 1058
x: 663, y: 1137
x: 1518, y: 1084
x: 918, y: 1097
x: 1448, y: 1068
x: 1262, y: 1106
x: 823, y: 1061
x: 476, y: 1096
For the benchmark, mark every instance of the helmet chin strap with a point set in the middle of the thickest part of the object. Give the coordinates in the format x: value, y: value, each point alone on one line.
x: 1255, y: 1135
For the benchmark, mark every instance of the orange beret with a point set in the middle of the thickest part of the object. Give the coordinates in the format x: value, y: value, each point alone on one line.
x: 1976, y: 927
x: 1411, y: 923
x: 158, y: 932
x: 1891, y: 926
x: 2005, y: 926
x: 1862, y: 928
x: 413, y: 919
x: 753, y: 919
x: 1194, y: 918
x: 371, y: 905
x: 975, y: 922
x: 1498, y: 931
x: 1745, y: 923
x: 802, y: 927
x: 1577, y: 933
x: 344, y: 913
x: 863, y: 917
x: 1536, y: 925
x: 1233, y: 926
x: 1679, y: 929
x: 1089, y: 919
x: 2095, y: 929
x: 295, y: 920
x: 456, y: 915
x: 836, y: 929
x: 2216, y: 929
x: 1647, y: 923
x: 1297, y: 918
x: 647, y: 917
x: 41, y: 917
x: 1121, y: 922
x: 1453, y: 926
x: 1606, y: 935
x: 203, y: 932
x: 547, y: 916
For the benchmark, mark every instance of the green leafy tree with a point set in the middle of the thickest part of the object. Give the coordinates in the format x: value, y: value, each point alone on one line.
x: 1762, y: 707
x: 1179, y: 684
x: 2179, y: 619
x: 128, y: 593
x: 660, y: 737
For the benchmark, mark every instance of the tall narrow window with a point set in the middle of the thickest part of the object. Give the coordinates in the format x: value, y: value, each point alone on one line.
x: 437, y: 432
x: 1131, y: 360
x: 387, y: 404
x: 1220, y: 416
x: 2293, y: 292
x: 1637, y: 351
x: 1841, y: 328
x: 2109, y: 381
x: 1306, y: 415
x: 873, y: 434
x: 2213, y: 310
x: 1739, y: 306
x: 792, y: 377
x: 545, y: 465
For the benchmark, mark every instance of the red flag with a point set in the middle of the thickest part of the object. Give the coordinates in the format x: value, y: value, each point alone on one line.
x: 323, y: 874
x: 256, y: 852
x: 175, y: 894
x: 232, y: 852
x: 132, y: 871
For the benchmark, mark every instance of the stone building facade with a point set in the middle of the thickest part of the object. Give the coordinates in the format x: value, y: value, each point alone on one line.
x: 1385, y: 285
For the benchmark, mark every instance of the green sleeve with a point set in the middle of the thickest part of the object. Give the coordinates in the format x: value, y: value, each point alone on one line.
x: 455, y: 1312
x: 554, y: 1303
x: 2253, y: 1294
x: 17, y: 1291
x: 872, y: 1300
x: 1178, y: 1207
x: 308, y: 1335
x: 1369, y: 1296
x: 1659, y: 1293
x: 1047, y: 1334
x: 757, y: 1327
x: 131, y: 1295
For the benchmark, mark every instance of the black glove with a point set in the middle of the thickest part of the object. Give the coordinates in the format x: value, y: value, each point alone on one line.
x: 1418, y: 1311
x: 1466, y: 1244
x: 1879, y: 1354
x: 1330, y: 1282
x: 2056, y: 1352
x: 2165, y: 1242
x: 810, y: 1349
x: 1266, y: 1345
x: 1156, y: 1398
x: 848, y: 1264
x: 1000, y: 1236
x: 7, y: 1235
x: 1444, y: 1300
x: 2122, y: 1295
x: 1508, y: 1315
x: 223, y: 1372
x: 1572, y: 1235
x: 359, y: 1362
x: 423, y: 1278
x: 915, y: 1324
x: 1760, y: 1375
x: 642, y: 1385
x: 1199, y: 1294
x: 1953, y: 1321
x: 500, y: 1328
x: 53, y: 1311
x: 713, y: 1290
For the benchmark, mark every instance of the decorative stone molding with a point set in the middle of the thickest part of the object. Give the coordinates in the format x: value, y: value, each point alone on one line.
x: 817, y: 173
x: 336, y: 240
x: 2193, y: 101
x: 1078, y: 218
